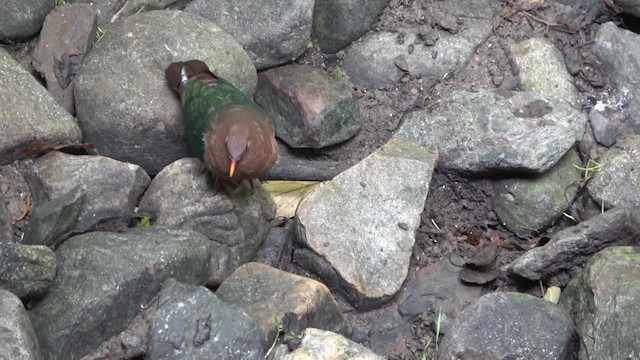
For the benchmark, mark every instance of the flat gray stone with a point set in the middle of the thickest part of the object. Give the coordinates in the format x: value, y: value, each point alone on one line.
x: 273, y: 33
x: 20, y: 19
x: 364, y: 220
x: 182, y: 195
x: 542, y: 70
x: 206, y: 326
x: 617, y: 182
x: 326, y: 345
x: 132, y: 115
x: 105, y: 279
x: 604, y: 131
x: 28, y: 128
x: 496, y: 130
x: 112, y: 187
x: 26, y: 270
x: 19, y: 341
x: 513, y: 326
x: 336, y: 23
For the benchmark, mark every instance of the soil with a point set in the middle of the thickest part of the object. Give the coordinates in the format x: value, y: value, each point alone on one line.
x: 458, y: 213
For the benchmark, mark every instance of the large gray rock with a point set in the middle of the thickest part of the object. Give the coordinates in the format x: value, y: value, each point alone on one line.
x: 542, y: 70
x: 565, y: 254
x: 513, y: 326
x: 527, y: 204
x: 31, y: 119
x: 631, y: 7
x: 619, y: 51
x: 123, y: 102
x: 111, y: 11
x: 336, y: 23
x: 325, y: 345
x: 365, y: 220
x: 182, y: 196
x: 19, y: 341
x: 604, y: 303
x: 209, y: 326
x: 496, y: 130
x: 105, y: 279
x: 112, y: 187
x: 27, y: 271
x: 273, y: 33
x: 376, y: 60
x: 269, y: 295
x: 617, y: 182
x: 20, y: 19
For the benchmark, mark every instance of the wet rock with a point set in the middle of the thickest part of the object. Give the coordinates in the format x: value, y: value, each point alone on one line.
x: 358, y: 213
x: 132, y: 115
x: 370, y: 62
x: 568, y: 250
x: 29, y: 128
x: 27, y: 271
x: 309, y: 108
x: 267, y: 294
x: 603, y: 301
x: 615, y: 47
x: 20, y: 19
x: 528, y: 204
x: 53, y: 221
x: 497, y: 130
x: 67, y: 35
x: 542, y: 70
x: 104, y: 280
x: 112, y: 187
x: 603, y: 130
x: 220, y: 328
x: 325, y: 345
x: 182, y: 195
x: 617, y: 182
x: 336, y: 23
x: 542, y: 330
x: 271, y: 34
x: 19, y: 338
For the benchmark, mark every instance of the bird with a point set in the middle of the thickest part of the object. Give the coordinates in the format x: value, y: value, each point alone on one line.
x: 226, y: 129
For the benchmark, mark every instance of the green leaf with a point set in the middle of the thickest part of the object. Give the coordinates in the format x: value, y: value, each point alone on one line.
x: 145, y: 222
x: 310, y: 45
x: 339, y: 73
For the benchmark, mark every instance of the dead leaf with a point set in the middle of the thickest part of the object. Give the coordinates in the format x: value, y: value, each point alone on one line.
x: 288, y: 194
x: 552, y: 294
x: 495, y: 238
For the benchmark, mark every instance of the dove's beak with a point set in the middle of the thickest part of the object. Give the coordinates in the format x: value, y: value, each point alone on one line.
x: 232, y: 167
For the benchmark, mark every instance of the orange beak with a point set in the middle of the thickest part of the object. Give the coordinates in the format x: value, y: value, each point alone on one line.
x: 232, y: 167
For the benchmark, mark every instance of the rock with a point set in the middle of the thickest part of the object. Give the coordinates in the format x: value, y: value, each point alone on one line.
x: 273, y: 33
x: 630, y: 7
x: 6, y: 230
x: 277, y: 247
x: 53, y: 221
x: 603, y: 130
x: 327, y: 346
x: 111, y: 11
x: 436, y: 289
x: 603, y: 301
x: 19, y: 338
x: 528, y: 204
x: 112, y: 187
x: 499, y: 130
x: 182, y: 196
x: 21, y: 19
x: 267, y: 295
x: 568, y: 250
x: 132, y: 115
x: 372, y: 210
x: 370, y: 62
x: 27, y: 271
x: 542, y: 70
x: 337, y: 23
x: 105, y: 279
x: 309, y: 108
x: 619, y: 51
x: 29, y: 128
x: 617, y: 182
x: 221, y: 328
x: 67, y: 35
x: 539, y: 329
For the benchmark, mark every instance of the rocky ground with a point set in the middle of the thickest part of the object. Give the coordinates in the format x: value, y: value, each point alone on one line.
x: 460, y: 222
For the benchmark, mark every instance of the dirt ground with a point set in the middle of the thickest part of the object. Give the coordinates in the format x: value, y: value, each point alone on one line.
x: 458, y: 212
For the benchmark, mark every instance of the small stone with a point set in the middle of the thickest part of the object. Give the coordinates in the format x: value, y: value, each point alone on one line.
x: 411, y: 48
x: 401, y: 62
x: 604, y: 132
